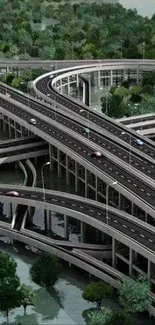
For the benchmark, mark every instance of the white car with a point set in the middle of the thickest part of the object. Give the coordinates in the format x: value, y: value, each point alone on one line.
x: 33, y: 121
x: 139, y: 142
x: 13, y: 193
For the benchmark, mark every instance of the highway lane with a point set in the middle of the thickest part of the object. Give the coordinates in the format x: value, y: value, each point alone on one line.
x: 136, y: 185
x: 17, y: 150
x: 17, y: 142
x: 125, y: 154
x: 44, y: 86
x: 119, y: 221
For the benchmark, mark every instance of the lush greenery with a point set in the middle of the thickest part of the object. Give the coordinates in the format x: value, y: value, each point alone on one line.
x: 21, y: 82
x: 45, y: 270
x: 107, y: 316
x: 96, y: 291
x: 128, y: 99
x: 12, y: 293
x: 28, y: 296
x: 80, y: 30
x: 133, y: 294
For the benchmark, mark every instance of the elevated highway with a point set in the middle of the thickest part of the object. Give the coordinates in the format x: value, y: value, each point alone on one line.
x: 78, y: 148
x: 23, y: 149
x: 61, y: 123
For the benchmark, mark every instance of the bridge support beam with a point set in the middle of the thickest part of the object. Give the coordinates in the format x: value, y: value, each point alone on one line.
x: 111, y: 78
x: 59, y: 167
x: 49, y: 220
x: 84, y: 93
x: 76, y: 178
x: 99, y: 79
x: 114, y: 246
x: 82, y: 230
x: 66, y: 230
x: 67, y: 171
x: 68, y: 84
x: 130, y: 261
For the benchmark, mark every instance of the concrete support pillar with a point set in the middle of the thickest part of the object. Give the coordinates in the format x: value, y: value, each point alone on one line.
x: 111, y: 78
x: 96, y: 188
x: 86, y: 189
x: 68, y: 81
x: 10, y: 211
x: 89, y: 91
x: 66, y: 230
x: 149, y: 270
x: 146, y: 217
x: 49, y: 220
x: 77, y: 81
x: 61, y: 87
x: 119, y: 201
x: 132, y: 208
x: 16, y: 133
x: 67, y: 171
x: 4, y: 126
x: 35, y: 160
x: 113, y: 252
x: 135, y: 258
x: 138, y: 74
x: 99, y: 78
x: 76, y: 178
x: 58, y: 159
x: 82, y: 235
x: 45, y: 220
x: 50, y: 158
x: 84, y: 93
x: 124, y: 75
x: 130, y: 261
x: 9, y: 127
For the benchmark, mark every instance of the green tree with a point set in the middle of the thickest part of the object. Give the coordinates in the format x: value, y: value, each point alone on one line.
x: 28, y: 296
x: 133, y: 294
x: 96, y: 291
x: 7, y: 266
x: 121, y: 91
x: 16, y: 82
x: 45, y: 270
x: 10, y: 296
x: 100, y: 317
x: 120, y: 318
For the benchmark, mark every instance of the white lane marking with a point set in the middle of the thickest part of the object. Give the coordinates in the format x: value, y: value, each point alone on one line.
x: 142, y: 235
x: 91, y: 210
x: 54, y: 200
x: 142, y: 189
x: 151, y: 241
x: 124, y: 226
x: 115, y: 221
x: 132, y: 230
x: 148, y: 194
x: 32, y: 195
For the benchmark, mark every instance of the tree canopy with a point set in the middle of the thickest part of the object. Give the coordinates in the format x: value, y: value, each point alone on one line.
x: 133, y: 294
x: 77, y: 30
x: 96, y: 291
x: 45, y: 270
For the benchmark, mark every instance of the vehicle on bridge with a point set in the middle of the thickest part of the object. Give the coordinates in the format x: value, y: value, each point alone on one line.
x: 96, y: 154
x: 13, y: 193
x: 33, y: 121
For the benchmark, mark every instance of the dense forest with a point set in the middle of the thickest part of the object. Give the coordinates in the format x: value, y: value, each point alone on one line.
x: 80, y: 30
